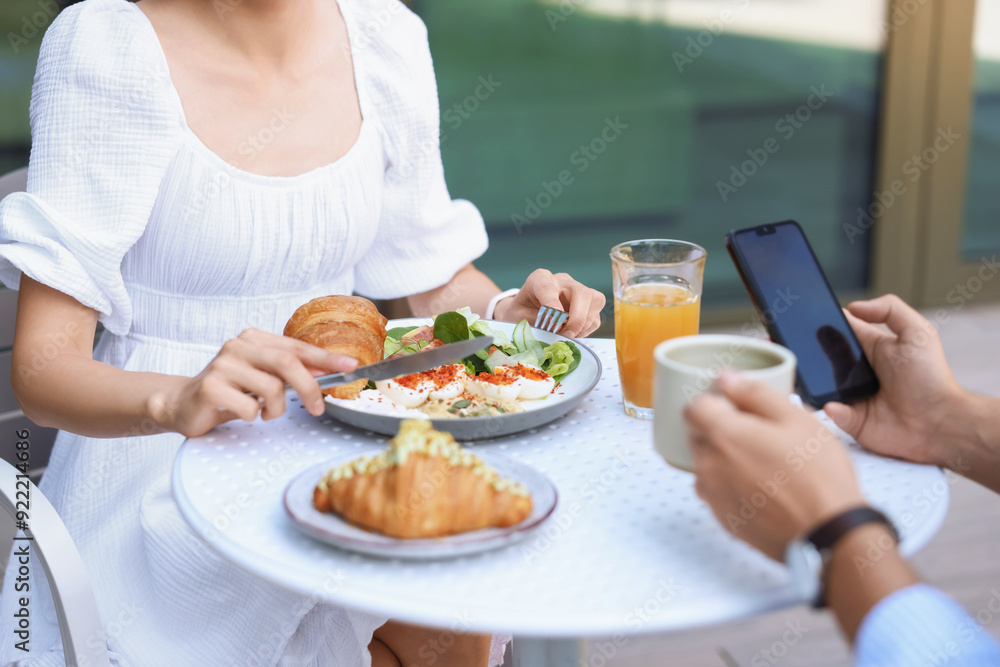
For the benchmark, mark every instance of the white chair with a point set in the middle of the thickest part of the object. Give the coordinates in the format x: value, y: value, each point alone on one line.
x: 15, y: 181
x: 52, y: 546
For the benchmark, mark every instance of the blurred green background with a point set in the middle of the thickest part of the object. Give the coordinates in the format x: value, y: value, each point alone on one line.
x: 557, y: 73
x: 19, y: 42
x: 981, y: 233
x: 688, y: 127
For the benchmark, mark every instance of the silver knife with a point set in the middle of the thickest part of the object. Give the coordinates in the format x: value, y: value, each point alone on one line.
x: 410, y: 363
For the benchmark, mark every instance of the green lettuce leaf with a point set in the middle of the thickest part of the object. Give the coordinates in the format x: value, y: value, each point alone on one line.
x: 560, y: 359
x: 397, y: 333
x: 451, y: 327
x: 470, y: 317
x: 481, y: 328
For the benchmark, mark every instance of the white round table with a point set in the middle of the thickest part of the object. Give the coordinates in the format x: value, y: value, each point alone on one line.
x: 630, y: 548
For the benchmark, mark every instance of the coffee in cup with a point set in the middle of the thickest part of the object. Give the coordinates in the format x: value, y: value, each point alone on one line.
x: 687, y: 367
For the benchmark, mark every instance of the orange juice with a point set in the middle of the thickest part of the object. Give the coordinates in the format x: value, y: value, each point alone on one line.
x: 645, y: 315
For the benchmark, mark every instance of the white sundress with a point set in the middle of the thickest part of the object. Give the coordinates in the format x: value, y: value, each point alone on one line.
x: 129, y: 213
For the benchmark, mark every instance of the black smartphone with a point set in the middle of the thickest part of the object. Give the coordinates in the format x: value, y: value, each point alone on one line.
x: 801, y: 312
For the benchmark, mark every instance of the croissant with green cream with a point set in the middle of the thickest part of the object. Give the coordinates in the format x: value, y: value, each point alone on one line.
x: 423, y: 486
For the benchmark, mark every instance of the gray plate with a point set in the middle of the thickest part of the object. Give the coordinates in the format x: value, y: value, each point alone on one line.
x: 330, y: 528
x: 573, y: 388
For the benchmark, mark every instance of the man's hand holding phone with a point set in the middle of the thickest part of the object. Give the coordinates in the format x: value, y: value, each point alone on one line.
x: 906, y: 418
x: 920, y: 413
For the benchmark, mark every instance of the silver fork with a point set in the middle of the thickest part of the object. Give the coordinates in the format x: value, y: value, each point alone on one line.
x: 550, y: 319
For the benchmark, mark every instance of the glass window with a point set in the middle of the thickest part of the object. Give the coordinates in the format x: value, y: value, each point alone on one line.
x: 981, y: 233
x: 578, y: 124
x: 22, y: 24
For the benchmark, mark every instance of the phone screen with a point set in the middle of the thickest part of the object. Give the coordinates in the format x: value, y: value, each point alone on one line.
x: 802, y: 313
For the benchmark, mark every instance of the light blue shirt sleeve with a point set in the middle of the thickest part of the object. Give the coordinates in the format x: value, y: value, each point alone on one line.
x: 919, y: 626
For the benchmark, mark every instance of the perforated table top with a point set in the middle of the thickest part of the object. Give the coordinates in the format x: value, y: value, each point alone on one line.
x: 629, y: 549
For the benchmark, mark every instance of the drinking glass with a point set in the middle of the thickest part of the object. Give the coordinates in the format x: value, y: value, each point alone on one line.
x: 657, y: 293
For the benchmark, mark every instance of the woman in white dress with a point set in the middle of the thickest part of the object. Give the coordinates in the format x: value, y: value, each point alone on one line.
x: 199, y: 169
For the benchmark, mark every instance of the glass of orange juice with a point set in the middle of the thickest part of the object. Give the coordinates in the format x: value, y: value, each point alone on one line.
x: 657, y: 290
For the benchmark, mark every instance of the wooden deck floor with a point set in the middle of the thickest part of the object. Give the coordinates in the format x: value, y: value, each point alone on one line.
x: 963, y: 559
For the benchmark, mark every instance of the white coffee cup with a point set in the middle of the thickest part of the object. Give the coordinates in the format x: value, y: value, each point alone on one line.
x: 688, y: 366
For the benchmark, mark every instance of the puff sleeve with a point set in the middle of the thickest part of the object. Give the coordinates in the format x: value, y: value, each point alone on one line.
x: 105, y: 123
x: 424, y: 237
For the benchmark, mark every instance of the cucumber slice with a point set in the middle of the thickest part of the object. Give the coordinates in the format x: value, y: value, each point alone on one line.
x: 495, y: 359
x: 519, y: 336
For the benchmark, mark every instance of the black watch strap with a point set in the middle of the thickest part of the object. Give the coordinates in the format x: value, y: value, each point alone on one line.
x: 831, y: 530
x: 826, y: 536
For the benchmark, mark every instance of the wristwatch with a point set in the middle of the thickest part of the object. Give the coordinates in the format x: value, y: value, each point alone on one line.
x: 807, y: 557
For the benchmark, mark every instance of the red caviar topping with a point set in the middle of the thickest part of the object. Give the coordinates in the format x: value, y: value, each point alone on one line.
x: 495, y: 378
x: 528, y: 372
x: 439, y: 377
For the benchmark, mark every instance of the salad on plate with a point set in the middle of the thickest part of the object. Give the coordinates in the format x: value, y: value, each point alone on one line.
x: 516, y: 372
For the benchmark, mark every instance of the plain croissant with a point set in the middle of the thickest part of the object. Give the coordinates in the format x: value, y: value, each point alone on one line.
x: 349, y: 325
x: 423, y: 486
